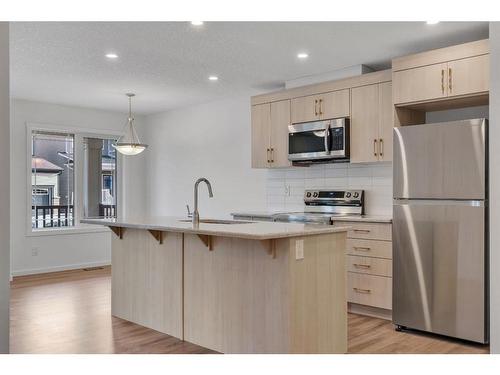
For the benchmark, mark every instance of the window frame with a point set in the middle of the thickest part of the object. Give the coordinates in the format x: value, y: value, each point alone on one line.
x: 78, y: 159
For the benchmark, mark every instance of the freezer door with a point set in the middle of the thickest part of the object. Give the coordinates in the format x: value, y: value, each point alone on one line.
x: 440, y: 161
x: 439, y: 267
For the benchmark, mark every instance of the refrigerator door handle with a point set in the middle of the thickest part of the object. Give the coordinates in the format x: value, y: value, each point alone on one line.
x: 440, y: 202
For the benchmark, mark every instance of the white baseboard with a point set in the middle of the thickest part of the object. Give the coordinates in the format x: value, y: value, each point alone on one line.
x: 66, y: 267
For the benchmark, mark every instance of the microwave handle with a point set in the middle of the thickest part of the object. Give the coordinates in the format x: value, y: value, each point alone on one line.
x: 327, y: 136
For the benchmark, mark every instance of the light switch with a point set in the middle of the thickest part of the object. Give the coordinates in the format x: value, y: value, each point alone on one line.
x: 299, y: 249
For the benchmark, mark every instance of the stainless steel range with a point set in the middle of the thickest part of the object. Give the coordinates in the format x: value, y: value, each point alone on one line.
x: 322, y: 206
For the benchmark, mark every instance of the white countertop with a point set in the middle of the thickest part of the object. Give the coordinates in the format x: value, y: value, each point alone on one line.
x: 254, y: 230
x: 353, y: 218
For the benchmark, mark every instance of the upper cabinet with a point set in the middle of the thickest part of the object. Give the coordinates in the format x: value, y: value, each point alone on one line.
x: 270, y: 134
x: 469, y: 76
x: 423, y: 83
x: 371, y: 123
x: 443, y: 75
x: 261, y: 130
x: 328, y: 105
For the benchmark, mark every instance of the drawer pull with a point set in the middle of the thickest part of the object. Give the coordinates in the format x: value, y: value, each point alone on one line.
x: 364, y: 266
x: 361, y: 248
x: 360, y: 290
x: 362, y: 230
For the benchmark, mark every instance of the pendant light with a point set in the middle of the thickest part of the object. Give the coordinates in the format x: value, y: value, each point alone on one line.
x: 129, y: 143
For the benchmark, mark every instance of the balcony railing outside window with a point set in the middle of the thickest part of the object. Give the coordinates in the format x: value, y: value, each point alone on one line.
x: 53, y: 216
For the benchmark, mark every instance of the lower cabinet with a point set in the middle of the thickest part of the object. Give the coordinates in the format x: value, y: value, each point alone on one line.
x: 369, y: 268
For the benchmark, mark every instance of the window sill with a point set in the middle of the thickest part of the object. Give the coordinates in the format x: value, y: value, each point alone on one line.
x: 67, y: 231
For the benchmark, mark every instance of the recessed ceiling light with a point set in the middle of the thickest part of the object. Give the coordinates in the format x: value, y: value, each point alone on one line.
x: 196, y: 23
x: 213, y: 78
x: 432, y: 22
x: 111, y: 55
x: 302, y: 55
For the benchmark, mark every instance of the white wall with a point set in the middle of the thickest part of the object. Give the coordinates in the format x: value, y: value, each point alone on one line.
x: 209, y: 140
x: 4, y: 188
x: 64, y: 251
x: 494, y: 133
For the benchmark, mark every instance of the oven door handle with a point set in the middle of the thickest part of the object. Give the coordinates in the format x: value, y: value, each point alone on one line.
x: 327, y: 136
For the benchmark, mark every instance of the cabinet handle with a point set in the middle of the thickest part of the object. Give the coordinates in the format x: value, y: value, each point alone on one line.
x: 268, y: 158
x: 360, y: 290
x: 359, y: 248
x: 364, y: 266
x: 375, y: 147
x: 272, y: 155
x: 320, y: 107
x: 442, y: 81
x: 381, y: 148
x: 449, y: 80
x: 316, y: 107
x: 362, y: 230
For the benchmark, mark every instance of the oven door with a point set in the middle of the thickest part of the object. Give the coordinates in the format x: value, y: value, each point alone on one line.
x: 317, y: 140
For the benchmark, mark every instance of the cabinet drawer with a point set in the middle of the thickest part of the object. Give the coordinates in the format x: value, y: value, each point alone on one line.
x: 370, y: 266
x: 371, y: 248
x: 369, y: 231
x: 369, y: 290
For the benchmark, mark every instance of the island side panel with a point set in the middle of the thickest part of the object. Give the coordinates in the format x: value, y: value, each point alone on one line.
x: 236, y: 296
x: 146, y: 285
x: 318, y: 307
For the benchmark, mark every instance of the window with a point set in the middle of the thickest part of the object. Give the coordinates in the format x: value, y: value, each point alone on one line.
x: 99, y: 177
x: 52, y: 180
x: 72, y: 174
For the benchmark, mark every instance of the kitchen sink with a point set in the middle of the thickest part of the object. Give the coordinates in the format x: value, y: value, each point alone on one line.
x: 214, y: 221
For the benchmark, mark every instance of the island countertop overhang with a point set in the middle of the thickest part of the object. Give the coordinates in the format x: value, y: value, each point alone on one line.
x: 245, y: 230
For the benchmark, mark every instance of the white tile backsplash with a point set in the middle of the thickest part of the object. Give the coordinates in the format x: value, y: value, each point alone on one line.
x: 285, y: 187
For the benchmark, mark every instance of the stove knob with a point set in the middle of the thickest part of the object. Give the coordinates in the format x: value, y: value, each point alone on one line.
x: 348, y: 195
x: 315, y: 195
x: 356, y: 195
x: 308, y: 194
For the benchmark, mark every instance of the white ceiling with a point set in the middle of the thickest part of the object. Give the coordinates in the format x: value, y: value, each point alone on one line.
x: 167, y: 63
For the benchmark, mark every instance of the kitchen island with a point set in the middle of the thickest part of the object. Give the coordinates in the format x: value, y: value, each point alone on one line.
x: 233, y: 287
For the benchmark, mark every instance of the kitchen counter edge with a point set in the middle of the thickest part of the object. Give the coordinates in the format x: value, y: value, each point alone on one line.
x: 252, y: 231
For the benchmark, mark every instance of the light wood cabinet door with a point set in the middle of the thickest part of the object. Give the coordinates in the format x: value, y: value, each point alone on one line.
x: 419, y: 84
x: 305, y: 109
x: 364, y: 124
x: 469, y: 76
x: 386, y: 121
x: 280, y: 119
x: 261, y: 129
x: 334, y: 104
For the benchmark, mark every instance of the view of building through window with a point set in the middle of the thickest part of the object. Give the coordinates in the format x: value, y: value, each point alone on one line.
x: 99, y: 178
x: 52, y: 180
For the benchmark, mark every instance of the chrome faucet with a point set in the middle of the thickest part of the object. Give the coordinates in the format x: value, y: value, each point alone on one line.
x: 196, y: 214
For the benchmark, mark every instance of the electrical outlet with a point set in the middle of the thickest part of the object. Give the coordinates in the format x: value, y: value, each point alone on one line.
x: 34, y: 251
x: 299, y: 249
x: 287, y: 190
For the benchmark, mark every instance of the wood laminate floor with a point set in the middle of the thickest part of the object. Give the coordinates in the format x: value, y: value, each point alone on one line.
x: 70, y: 312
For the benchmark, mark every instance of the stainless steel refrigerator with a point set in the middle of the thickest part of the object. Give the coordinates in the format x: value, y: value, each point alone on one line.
x: 440, y: 227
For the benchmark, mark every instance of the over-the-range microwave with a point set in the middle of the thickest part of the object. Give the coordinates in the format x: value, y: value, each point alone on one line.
x: 319, y: 141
